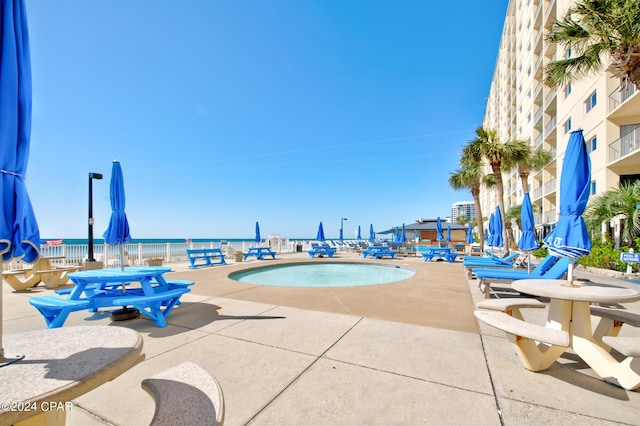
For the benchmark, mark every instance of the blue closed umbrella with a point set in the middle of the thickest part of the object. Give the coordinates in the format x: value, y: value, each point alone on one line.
x: 403, y: 237
x: 570, y: 237
x: 492, y: 224
x: 320, y: 236
x: 528, y: 240
x: 340, y: 234
x: 118, y: 230
x: 358, y: 236
x: 470, y: 233
x: 449, y: 233
x: 19, y: 233
x: 497, y: 227
x: 439, y: 236
x: 372, y: 235
x: 257, y: 239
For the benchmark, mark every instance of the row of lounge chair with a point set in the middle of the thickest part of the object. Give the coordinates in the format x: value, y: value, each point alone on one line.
x: 494, y: 269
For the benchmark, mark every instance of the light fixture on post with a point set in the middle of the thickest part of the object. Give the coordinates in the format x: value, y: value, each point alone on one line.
x: 92, y: 176
x: 342, y: 219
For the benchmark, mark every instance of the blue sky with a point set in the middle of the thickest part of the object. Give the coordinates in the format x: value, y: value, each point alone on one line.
x: 224, y: 113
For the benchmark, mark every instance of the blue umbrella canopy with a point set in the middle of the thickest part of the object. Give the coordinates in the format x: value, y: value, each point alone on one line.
x: 449, y: 233
x: 372, y: 235
x: 497, y: 227
x: 439, y: 236
x: 403, y: 237
x: 257, y: 238
x: 528, y: 240
x: 320, y: 236
x: 470, y: 233
x: 570, y: 237
x: 118, y: 230
x: 19, y: 232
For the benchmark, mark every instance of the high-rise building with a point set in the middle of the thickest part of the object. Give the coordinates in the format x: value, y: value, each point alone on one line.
x: 521, y: 106
x: 463, y: 208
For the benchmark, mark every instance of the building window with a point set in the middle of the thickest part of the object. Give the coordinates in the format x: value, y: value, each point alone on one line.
x: 590, y: 102
x: 592, y: 145
x: 567, y: 90
x: 567, y: 125
x: 593, y: 187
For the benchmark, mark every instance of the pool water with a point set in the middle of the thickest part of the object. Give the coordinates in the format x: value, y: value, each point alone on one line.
x: 324, y: 274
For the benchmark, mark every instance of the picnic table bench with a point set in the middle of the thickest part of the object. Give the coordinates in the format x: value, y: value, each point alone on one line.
x: 43, y: 270
x: 439, y: 252
x: 259, y: 253
x: 378, y: 252
x: 208, y: 255
x: 94, y: 289
x: 321, y: 251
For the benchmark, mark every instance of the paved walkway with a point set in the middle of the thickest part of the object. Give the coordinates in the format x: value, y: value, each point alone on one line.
x: 397, y: 354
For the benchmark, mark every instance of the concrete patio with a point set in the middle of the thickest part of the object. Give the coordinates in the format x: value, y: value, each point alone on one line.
x: 404, y: 353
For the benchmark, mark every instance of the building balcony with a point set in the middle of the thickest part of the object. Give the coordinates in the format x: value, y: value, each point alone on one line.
x: 624, y: 154
x: 623, y: 104
x: 550, y: 216
x: 537, y: 193
x: 550, y: 186
x: 551, y: 125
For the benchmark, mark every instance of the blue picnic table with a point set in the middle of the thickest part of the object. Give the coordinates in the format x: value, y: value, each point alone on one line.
x: 260, y: 253
x: 429, y: 253
x: 378, y: 252
x: 321, y: 251
x: 154, y: 297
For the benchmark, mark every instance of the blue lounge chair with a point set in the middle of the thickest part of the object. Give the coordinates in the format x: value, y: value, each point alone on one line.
x: 551, y: 267
x: 471, y: 261
x: 490, y: 257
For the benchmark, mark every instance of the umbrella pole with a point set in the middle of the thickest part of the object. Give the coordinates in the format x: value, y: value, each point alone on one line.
x: 124, y: 287
x: 570, y: 273
x: 5, y: 361
x: 528, y: 262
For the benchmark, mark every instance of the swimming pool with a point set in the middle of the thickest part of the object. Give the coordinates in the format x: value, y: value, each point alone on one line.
x: 324, y: 274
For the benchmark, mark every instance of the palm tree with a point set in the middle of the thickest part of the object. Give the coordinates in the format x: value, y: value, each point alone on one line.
x: 623, y: 202
x: 487, y: 145
x: 470, y: 177
x: 461, y: 219
x: 513, y: 214
x: 592, y: 30
x: 530, y: 161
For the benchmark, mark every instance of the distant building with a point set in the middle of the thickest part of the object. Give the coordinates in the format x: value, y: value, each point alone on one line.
x: 463, y: 208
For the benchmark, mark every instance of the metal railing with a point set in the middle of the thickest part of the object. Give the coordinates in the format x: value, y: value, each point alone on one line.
x: 550, y: 216
x: 137, y: 254
x: 550, y: 186
x: 625, y: 145
x: 620, y: 95
x: 551, y: 124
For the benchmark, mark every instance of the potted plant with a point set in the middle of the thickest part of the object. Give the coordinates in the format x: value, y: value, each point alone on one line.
x: 155, y: 261
x: 238, y: 255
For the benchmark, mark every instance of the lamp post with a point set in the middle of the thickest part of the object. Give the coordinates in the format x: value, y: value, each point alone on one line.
x: 342, y: 219
x: 92, y: 176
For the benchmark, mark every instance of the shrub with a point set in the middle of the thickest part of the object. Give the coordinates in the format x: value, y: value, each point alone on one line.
x: 604, y: 255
